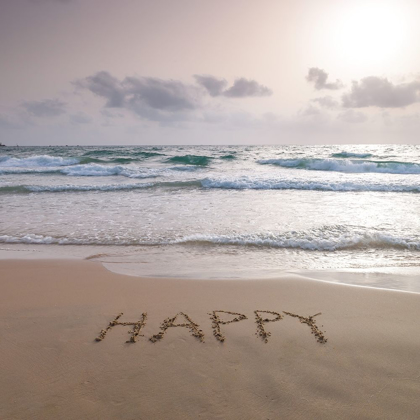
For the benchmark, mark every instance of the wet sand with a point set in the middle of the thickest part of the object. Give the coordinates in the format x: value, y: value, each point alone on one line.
x: 291, y: 348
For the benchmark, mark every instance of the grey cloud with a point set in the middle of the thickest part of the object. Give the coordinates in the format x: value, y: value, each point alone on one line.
x: 106, y: 86
x: 80, y: 118
x: 164, y: 95
x: 45, y: 108
x: 241, y: 88
x: 352, y: 116
x: 310, y: 111
x: 327, y: 102
x: 109, y: 114
x: 150, y: 98
x: 380, y: 92
x: 244, y: 87
x: 213, y: 85
x: 319, y: 78
x: 164, y: 100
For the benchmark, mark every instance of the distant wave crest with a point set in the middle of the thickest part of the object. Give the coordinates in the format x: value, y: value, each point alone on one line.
x: 346, y: 165
x: 247, y: 183
x: 36, y: 161
x: 351, y: 155
x: 190, y: 160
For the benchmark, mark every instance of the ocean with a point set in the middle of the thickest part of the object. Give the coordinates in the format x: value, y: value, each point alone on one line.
x: 218, y: 212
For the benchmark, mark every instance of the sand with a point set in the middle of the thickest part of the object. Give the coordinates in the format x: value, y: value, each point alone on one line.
x: 330, y: 351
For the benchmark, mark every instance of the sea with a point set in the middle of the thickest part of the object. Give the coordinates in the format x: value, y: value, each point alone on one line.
x: 219, y: 212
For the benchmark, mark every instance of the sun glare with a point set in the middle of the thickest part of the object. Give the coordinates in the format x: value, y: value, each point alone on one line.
x: 370, y: 33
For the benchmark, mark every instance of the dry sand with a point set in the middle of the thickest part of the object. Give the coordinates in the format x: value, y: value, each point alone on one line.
x: 53, y: 368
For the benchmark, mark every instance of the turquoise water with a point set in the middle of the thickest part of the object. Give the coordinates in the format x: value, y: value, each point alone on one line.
x: 235, y: 210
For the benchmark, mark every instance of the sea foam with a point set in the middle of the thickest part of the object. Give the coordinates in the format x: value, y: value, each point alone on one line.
x: 36, y: 161
x: 346, y: 165
x: 327, y: 238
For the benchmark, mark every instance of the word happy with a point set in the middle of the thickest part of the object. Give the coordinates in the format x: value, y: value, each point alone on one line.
x: 261, y: 319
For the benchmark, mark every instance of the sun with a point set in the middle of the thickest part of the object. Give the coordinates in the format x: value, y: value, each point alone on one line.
x: 370, y: 33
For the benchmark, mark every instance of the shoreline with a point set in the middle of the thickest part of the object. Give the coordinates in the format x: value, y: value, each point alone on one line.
x: 53, y: 310
x: 387, y: 278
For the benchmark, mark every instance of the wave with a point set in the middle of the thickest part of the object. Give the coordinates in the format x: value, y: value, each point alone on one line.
x: 242, y: 183
x: 25, y: 189
x: 36, y: 161
x: 228, y: 157
x: 45, y: 161
x: 352, y: 166
x: 245, y: 183
x: 351, y: 155
x: 96, y: 169
x: 120, y: 160
x: 93, y: 169
x: 148, y: 154
x: 99, y: 153
x: 69, y: 187
x: 23, y: 171
x: 328, y: 238
x: 190, y: 160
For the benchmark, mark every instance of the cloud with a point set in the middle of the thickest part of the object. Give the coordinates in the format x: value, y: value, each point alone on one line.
x: 380, y: 92
x: 148, y: 97
x: 164, y: 100
x: 353, y: 117
x: 111, y: 114
x: 164, y: 95
x: 106, y: 86
x: 319, y: 78
x: 213, y: 85
x: 244, y: 88
x: 309, y: 111
x: 327, y: 102
x: 80, y: 118
x: 241, y: 88
x: 45, y: 108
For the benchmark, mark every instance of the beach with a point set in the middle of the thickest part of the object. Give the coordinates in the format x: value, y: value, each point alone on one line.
x: 364, y: 365
x: 209, y: 210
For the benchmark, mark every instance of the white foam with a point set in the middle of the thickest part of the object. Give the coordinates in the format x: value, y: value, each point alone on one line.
x: 36, y: 161
x: 242, y: 183
x: 72, y: 187
x: 93, y: 169
x: 346, y: 165
x: 330, y: 239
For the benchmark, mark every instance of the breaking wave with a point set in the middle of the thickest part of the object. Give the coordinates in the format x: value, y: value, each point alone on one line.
x: 351, y: 155
x: 190, y: 160
x: 328, y: 238
x: 242, y: 183
x: 246, y: 183
x: 36, y: 161
x: 325, y: 239
x: 346, y: 165
x: 25, y: 189
x: 93, y: 169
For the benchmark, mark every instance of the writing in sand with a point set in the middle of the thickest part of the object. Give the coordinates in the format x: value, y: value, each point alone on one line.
x: 261, y: 318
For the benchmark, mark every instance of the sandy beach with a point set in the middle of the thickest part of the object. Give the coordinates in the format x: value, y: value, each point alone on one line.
x: 362, y: 362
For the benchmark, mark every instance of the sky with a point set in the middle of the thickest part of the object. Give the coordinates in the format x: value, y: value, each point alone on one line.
x: 127, y: 72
